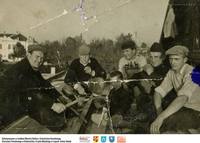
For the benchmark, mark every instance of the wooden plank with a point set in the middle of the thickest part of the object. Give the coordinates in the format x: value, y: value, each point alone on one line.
x: 75, y: 124
x: 70, y: 125
x: 93, y: 128
x: 56, y: 76
x: 25, y: 125
x: 84, y: 114
x: 16, y: 126
x: 45, y: 131
x: 33, y: 127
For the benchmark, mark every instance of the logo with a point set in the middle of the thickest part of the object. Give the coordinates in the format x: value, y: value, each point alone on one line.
x: 121, y: 139
x: 111, y: 139
x: 95, y: 139
x: 103, y: 139
x: 84, y: 139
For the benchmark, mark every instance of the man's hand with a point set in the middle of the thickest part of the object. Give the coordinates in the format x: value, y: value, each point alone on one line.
x: 81, y: 101
x: 58, y: 107
x: 80, y: 89
x: 159, y: 110
x: 148, y: 69
x: 155, y: 126
x: 146, y: 85
x: 175, y: 106
x: 88, y: 70
x: 141, y: 61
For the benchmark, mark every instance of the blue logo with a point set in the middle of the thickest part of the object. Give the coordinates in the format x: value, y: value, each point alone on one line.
x: 103, y: 139
x: 195, y: 75
x: 111, y: 139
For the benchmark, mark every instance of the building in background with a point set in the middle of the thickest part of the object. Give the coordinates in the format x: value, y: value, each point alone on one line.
x: 9, y: 41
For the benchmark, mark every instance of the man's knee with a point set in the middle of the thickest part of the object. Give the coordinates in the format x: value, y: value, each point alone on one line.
x: 182, y: 120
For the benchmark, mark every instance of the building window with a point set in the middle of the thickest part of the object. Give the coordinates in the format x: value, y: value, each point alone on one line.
x: 9, y: 46
x: 10, y: 56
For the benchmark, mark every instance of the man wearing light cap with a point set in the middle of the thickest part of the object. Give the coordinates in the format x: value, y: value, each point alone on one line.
x: 183, y: 112
x: 83, y: 69
x: 25, y: 91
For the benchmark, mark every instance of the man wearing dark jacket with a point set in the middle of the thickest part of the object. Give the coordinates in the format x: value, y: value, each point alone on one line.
x: 148, y: 80
x: 83, y: 69
x: 25, y: 91
x: 120, y: 97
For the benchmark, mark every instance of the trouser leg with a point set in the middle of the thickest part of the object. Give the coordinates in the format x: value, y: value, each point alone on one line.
x: 182, y: 120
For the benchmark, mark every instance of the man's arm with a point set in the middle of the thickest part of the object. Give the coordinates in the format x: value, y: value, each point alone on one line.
x: 161, y: 91
x: 186, y: 91
x: 71, y: 76
x: 98, y: 71
x: 121, y: 67
x: 176, y: 105
x: 158, y: 102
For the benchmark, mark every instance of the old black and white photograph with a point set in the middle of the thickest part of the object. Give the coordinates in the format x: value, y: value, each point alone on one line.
x: 99, y: 66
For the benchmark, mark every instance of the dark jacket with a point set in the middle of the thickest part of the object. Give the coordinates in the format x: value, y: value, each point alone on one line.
x: 23, y: 90
x: 120, y: 101
x: 145, y: 101
x: 158, y: 73
x: 76, y: 71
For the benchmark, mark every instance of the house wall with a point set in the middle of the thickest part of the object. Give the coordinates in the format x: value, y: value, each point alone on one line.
x: 7, y: 45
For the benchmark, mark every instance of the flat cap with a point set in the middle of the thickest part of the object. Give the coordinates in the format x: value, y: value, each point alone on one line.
x: 84, y: 50
x: 35, y: 47
x: 178, y: 50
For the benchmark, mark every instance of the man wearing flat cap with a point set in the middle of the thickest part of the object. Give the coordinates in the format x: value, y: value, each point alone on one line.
x: 83, y: 69
x: 25, y: 91
x: 183, y: 112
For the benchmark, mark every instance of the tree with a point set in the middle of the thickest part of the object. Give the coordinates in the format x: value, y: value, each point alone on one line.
x: 144, y: 45
x: 18, y: 51
x: 122, y: 38
x: 59, y: 53
x: 52, y: 52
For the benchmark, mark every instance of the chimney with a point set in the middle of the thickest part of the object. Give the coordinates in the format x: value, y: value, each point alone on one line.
x: 4, y: 34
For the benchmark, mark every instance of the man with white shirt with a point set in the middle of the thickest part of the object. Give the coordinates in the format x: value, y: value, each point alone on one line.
x: 183, y: 112
x: 127, y: 64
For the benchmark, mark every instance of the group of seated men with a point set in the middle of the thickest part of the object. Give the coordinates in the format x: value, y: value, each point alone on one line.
x: 140, y: 81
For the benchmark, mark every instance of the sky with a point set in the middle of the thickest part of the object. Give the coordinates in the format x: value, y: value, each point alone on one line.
x: 45, y: 20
